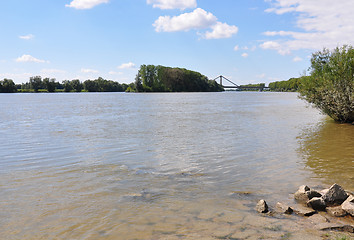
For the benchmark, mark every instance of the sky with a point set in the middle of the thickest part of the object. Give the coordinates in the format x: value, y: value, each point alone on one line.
x: 247, y: 41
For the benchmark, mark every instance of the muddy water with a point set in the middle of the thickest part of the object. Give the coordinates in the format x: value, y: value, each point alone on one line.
x: 163, y: 166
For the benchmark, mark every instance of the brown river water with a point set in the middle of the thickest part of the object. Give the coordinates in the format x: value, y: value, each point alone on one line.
x: 164, y: 166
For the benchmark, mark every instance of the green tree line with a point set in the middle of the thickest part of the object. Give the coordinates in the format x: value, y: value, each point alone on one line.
x: 291, y: 85
x: 37, y: 84
x: 151, y: 78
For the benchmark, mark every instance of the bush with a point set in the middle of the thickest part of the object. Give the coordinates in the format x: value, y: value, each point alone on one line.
x: 330, y: 86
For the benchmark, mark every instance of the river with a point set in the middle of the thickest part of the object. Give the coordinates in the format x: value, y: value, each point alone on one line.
x: 164, y: 165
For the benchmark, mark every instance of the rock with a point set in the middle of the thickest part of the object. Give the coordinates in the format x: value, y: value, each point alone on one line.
x: 317, y: 203
x: 301, y: 195
x: 324, y: 191
x: 262, y: 206
x: 317, y: 219
x: 336, y: 211
x: 280, y: 207
x: 348, y: 205
x: 335, y: 195
x: 304, y: 211
x: 337, y: 227
x: 313, y: 193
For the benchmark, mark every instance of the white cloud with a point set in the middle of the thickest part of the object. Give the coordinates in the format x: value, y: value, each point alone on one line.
x: 114, y: 73
x: 236, y: 48
x: 275, y: 45
x: 297, y: 59
x: 85, y: 4
x: 325, y: 23
x: 244, y: 55
x: 46, y: 71
x: 263, y: 75
x: 27, y: 37
x: 127, y: 65
x: 87, y: 70
x: 198, y: 19
x: 29, y: 58
x: 173, y: 4
x: 221, y: 30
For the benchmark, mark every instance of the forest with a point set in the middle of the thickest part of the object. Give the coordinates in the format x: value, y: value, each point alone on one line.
x: 151, y: 78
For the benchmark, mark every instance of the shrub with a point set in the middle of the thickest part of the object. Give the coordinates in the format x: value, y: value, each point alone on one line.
x: 330, y: 86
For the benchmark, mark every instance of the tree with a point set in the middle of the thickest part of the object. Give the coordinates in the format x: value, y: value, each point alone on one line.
x: 76, y: 85
x: 7, y: 86
x: 49, y: 84
x: 67, y: 86
x: 35, y: 83
x: 330, y: 86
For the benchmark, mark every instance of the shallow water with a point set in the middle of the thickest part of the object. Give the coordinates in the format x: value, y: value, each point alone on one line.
x: 162, y: 166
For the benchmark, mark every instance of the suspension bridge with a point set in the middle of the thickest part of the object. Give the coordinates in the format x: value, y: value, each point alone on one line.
x: 235, y: 86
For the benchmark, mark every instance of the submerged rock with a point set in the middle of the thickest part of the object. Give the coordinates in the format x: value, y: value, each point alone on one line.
x: 317, y: 219
x: 335, y: 195
x: 336, y: 211
x: 304, y: 211
x: 334, y: 226
x: 262, y: 206
x: 280, y: 207
x: 348, y: 205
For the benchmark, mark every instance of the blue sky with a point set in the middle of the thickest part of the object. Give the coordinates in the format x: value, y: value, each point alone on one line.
x: 248, y: 41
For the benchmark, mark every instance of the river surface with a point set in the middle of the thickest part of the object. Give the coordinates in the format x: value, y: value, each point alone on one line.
x: 163, y: 166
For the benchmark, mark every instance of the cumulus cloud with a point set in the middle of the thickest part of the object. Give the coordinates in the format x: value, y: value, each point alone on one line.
x: 26, y: 37
x: 297, y: 59
x: 85, y: 4
x: 324, y: 23
x: 173, y: 4
x: 244, y: 55
x: 196, y: 20
x: 236, y: 48
x: 127, y: 65
x: 29, y: 58
x: 88, y: 70
x: 221, y: 30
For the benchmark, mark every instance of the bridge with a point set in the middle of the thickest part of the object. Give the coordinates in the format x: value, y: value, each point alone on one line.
x: 235, y: 86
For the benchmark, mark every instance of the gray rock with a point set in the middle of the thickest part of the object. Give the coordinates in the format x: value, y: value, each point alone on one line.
x: 336, y: 211
x: 317, y: 203
x: 334, y: 226
x: 335, y: 195
x: 262, y: 206
x: 313, y: 193
x: 304, y: 211
x: 301, y: 195
x: 282, y: 208
x: 348, y: 205
x: 317, y: 219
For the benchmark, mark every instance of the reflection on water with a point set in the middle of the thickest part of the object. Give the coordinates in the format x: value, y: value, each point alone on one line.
x: 157, y: 166
x: 329, y: 152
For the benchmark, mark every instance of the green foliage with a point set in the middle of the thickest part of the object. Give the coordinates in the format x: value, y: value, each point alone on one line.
x: 151, y: 78
x: 36, y: 83
x: 330, y: 86
x: 291, y: 85
x: 252, y: 87
x: 49, y: 84
x: 7, y: 86
x: 103, y: 85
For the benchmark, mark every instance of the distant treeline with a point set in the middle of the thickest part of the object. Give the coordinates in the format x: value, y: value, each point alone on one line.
x: 291, y: 85
x: 151, y: 78
x: 37, y: 84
